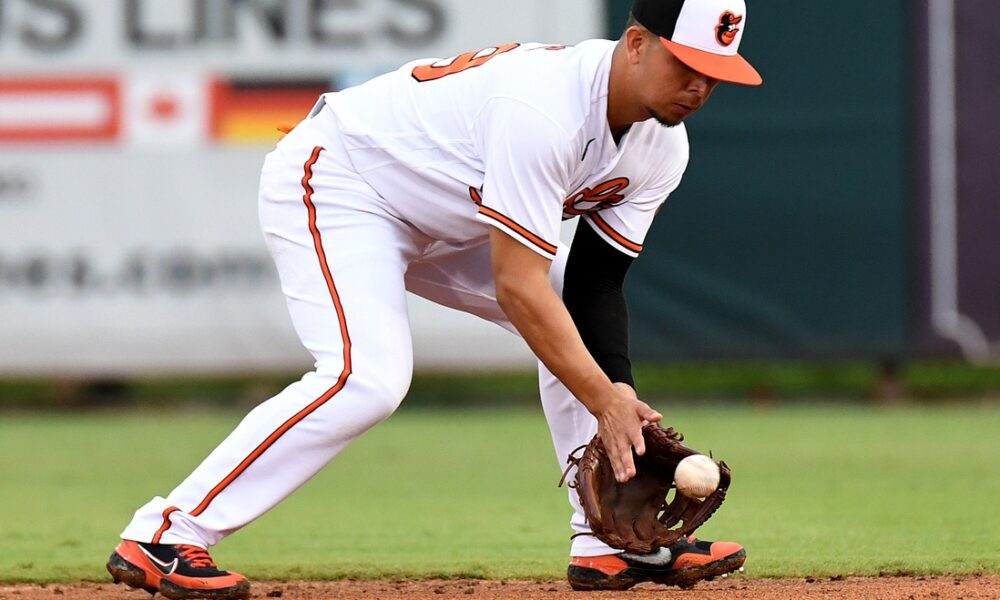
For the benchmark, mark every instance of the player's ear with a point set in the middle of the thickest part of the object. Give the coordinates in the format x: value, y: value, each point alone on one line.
x: 635, y: 39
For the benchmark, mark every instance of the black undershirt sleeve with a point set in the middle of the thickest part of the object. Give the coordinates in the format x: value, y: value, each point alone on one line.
x: 593, y: 294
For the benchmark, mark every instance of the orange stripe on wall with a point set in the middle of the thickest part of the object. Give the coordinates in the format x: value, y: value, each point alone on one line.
x: 236, y: 109
x: 257, y: 129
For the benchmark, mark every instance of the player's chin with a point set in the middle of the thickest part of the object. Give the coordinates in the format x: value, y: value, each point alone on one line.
x: 666, y: 119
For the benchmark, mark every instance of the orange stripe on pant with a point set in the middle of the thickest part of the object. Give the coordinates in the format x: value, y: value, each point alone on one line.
x: 330, y: 393
x: 166, y: 524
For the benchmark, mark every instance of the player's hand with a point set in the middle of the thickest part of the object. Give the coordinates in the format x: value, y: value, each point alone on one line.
x: 620, y: 423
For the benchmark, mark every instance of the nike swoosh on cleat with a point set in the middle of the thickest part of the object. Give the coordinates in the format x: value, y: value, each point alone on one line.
x: 167, y: 568
x: 660, y: 558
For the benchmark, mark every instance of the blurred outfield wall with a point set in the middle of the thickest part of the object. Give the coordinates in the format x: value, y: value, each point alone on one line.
x: 131, y: 138
x: 836, y: 212
x: 848, y: 208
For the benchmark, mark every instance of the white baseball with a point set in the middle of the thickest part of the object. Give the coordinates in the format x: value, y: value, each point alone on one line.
x: 697, y: 476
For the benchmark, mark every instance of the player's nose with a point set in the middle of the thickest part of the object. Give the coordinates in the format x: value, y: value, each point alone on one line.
x: 700, y: 86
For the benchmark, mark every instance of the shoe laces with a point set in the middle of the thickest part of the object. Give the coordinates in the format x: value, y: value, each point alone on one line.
x: 196, y: 557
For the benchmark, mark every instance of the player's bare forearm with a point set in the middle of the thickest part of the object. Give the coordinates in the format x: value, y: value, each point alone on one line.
x: 527, y: 298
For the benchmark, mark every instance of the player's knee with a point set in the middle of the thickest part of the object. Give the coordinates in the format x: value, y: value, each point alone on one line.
x: 395, y: 387
x: 378, y: 386
x: 384, y: 392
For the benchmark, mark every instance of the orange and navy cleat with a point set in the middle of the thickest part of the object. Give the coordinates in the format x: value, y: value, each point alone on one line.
x: 179, y: 572
x: 684, y: 564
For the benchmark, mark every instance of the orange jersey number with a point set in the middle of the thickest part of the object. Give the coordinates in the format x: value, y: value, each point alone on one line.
x: 460, y: 63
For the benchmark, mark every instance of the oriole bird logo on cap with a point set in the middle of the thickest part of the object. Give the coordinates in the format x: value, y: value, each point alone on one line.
x: 726, y: 30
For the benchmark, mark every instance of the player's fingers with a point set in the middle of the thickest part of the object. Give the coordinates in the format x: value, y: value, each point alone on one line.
x: 617, y: 455
x: 616, y: 465
x: 628, y: 467
x: 639, y: 443
x: 648, y: 414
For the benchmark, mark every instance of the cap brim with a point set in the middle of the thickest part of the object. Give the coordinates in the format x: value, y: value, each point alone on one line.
x: 732, y: 69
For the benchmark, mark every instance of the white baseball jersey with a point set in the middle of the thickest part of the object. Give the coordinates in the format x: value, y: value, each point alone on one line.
x: 514, y: 136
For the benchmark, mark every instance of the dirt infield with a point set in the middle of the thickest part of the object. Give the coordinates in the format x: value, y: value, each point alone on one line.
x: 880, y: 588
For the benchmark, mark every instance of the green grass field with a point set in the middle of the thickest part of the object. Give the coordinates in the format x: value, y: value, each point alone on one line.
x: 825, y: 490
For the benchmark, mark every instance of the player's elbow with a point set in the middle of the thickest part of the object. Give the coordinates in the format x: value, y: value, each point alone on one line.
x: 509, y: 294
x: 519, y: 297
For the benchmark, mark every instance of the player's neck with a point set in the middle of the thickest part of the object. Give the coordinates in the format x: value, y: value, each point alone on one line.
x: 623, y: 110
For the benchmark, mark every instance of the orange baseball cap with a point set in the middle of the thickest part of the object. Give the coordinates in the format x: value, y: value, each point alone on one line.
x: 703, y: 34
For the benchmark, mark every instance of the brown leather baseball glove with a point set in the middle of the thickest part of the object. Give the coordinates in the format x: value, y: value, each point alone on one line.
x: 637, y: 516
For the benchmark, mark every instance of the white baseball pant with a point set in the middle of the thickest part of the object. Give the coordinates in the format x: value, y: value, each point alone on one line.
x: 345, y: 264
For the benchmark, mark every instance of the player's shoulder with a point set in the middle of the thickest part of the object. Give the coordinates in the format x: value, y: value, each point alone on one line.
x: 563, y: 82
x: 562, y: 64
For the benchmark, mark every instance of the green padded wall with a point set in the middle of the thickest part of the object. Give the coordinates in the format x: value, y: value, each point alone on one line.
x: 788, y: 236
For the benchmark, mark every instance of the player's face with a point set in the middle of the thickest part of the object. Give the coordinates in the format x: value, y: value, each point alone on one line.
x: 670, y: 90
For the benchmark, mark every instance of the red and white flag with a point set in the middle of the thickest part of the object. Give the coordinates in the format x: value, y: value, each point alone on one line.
x: 59, y: 109
x: 166, y: 109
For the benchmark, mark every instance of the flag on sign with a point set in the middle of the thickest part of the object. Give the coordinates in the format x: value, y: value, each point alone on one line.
x: 252, y: 112
x: 166, y: 109
x: 59, y: 109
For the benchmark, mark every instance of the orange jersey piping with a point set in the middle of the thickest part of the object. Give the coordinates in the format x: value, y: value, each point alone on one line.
x: 518, y: 229
x: 614, y: 235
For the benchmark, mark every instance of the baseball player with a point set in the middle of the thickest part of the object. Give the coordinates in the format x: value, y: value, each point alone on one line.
x: 449, y: 178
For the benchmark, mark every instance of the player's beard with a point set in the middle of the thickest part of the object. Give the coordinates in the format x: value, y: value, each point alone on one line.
x: 663, y: 120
